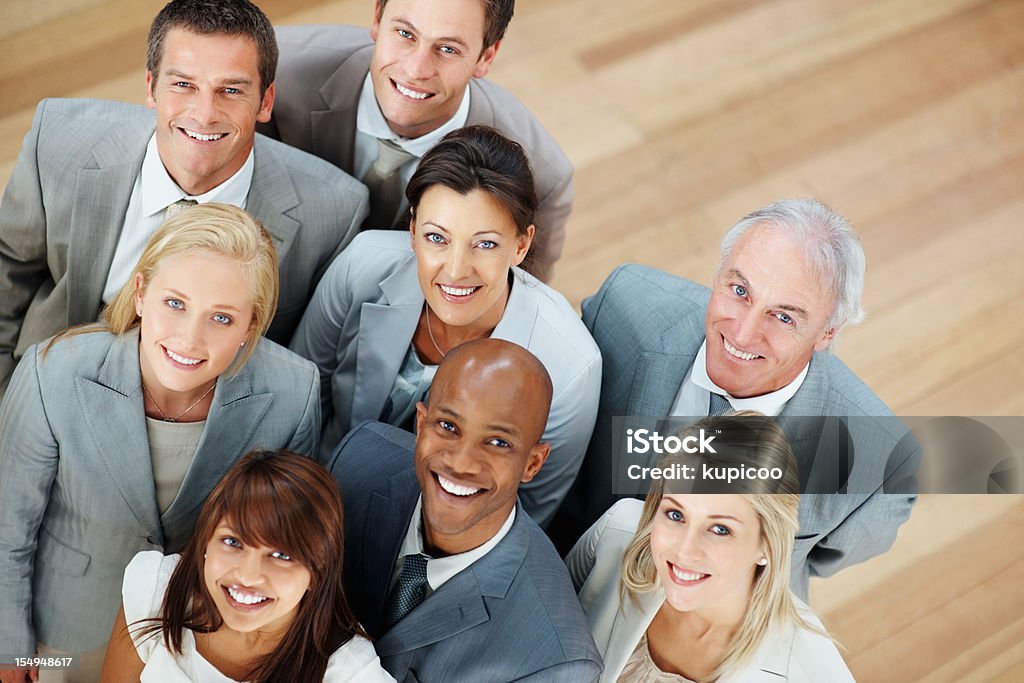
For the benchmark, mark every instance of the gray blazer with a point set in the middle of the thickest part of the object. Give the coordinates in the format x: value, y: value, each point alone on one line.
x: 76, y: 482
x: 64, y: 208
x: 595, y: 565
x: 319, y: 78
x: 649, y: 326
x: 510, y: 616
x: 361, y: 321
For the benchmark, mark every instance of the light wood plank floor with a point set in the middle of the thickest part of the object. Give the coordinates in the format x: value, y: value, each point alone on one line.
x: 906, y: 115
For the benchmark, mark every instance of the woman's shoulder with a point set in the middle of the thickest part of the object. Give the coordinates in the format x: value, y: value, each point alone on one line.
x: 90, y: 342
x: 814, y: 656
x: 356, y: 661
x: 557, y: 325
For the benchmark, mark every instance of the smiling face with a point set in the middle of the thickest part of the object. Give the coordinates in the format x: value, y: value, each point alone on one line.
x: 475, y: 443
x: 706, y: 549
x: 207, y: 101
x: 465, y: 246
x: 255, y: 588
x: 196, y: 311
x: 767, y: 315
x: 425, y: 54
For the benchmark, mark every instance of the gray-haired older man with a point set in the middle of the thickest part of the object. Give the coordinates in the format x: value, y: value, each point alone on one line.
x: 789, y: 279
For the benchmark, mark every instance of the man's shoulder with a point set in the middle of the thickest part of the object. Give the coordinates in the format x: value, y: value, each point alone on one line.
x: 647, y: 294
x: 634, y: 275
x: 320, y: 47
x: 368, y: 454
x: 492, y: 105
x: 840, y: 390
x: 109, y: 111
x: 315, y: 175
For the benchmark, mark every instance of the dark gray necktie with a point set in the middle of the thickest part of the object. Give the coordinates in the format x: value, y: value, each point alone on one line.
x: 409, y: 590
x: 384, y: 180
x: 719, y: 405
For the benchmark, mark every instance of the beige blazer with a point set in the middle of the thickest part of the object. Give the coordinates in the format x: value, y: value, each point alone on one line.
x: 787, y: 654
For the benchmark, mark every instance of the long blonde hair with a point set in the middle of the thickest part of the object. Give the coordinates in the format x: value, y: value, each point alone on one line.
x: 219, y: 229
x: 771, y: 602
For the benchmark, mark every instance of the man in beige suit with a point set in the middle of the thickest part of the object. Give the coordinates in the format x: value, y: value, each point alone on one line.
x: 374, y: 103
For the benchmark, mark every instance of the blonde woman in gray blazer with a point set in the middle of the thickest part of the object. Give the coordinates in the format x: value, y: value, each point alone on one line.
x: 690, y: 587
x: 92, y: 470
x: 394, y: 303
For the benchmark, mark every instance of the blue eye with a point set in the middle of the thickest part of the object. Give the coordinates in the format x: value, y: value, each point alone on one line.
x: 405, y: 34
x: 674, y: 515
x: 181, y: 84
x: 176, y: 304
x: 434, y: 238
x: 222, y: 319
x: 720, y: 530
x: 278, y: 555
x: 487, y: 244
x: 448, y: 50
x: 739, y: 290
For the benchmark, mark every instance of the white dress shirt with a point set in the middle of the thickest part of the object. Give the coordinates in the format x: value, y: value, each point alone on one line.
x: 694, y: 395
x: 371, y: 126
x: 153, y: 192
x: 441, y: 569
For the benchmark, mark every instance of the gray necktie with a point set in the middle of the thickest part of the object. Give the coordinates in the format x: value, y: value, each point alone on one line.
x: 178, y: 207
x: 409, y: 590
x: 385, y: 184
x: 719, y: 405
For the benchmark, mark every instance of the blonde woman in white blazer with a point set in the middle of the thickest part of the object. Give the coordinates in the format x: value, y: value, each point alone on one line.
x: 694, y: 587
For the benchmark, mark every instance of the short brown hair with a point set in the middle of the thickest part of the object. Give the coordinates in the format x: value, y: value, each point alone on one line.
x: 231, y: 17
x: 497, y: 15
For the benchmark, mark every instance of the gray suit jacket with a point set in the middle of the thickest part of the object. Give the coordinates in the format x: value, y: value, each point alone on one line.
x: 511, y: 616
x: 76, y: 480
x: 64, y: 208
x: 319, y: 78
x: 788, y: 653
x: 649, y: 326
x: 361, y: 321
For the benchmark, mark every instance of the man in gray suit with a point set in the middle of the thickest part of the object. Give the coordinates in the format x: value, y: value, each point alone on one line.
x: 95, y: 179
x: 790, y: 278
x: 374, y: 103
x: 443, y: 567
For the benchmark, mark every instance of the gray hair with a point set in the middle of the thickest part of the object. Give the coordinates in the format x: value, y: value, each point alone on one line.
x: 831, y: 246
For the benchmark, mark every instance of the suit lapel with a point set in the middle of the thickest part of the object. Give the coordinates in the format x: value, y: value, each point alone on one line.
x: 100, y: 201
x: 385, y: 332
x: 630, y: 624
x: 334, y: 127
x: 458, y: 605
x: 112, y: 408
x: 272, y: 196
x: 235, y: 415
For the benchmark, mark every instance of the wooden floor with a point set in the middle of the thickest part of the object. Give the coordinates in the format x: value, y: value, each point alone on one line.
x: 682, y: 115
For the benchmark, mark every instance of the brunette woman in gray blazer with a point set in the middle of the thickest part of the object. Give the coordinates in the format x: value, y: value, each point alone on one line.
x: 112, y: 435
x: 394, y: 303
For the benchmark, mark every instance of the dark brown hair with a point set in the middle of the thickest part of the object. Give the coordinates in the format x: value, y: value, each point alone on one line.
x: 286, y: 501
x: 232, y: 17
x: 497, y: 15
x: 479, y: 158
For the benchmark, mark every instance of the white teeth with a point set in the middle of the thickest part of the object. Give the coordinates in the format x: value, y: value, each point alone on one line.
x: 733, y: 351
x: 246, y: 598
x: 182, y: 359
x: 457, y: 291
x: 410, y: 93
x: 205, y: 138
x: 686, y: 576
x: 454, y: 489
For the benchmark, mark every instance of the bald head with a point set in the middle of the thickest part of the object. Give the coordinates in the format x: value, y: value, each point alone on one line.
x: 501, y: 374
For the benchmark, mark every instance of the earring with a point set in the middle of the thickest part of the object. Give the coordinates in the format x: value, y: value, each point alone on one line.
x: 242, y: 344
x: 763, y: 561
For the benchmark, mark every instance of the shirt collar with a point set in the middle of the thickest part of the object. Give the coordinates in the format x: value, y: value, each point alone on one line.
x: 441, y: 569
x: 770, y: 404
x: 370, y: 121
x: 159, y: 190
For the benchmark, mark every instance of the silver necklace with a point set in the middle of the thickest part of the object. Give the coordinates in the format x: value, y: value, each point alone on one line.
x: 431, y: 332
x: 163, y: 415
